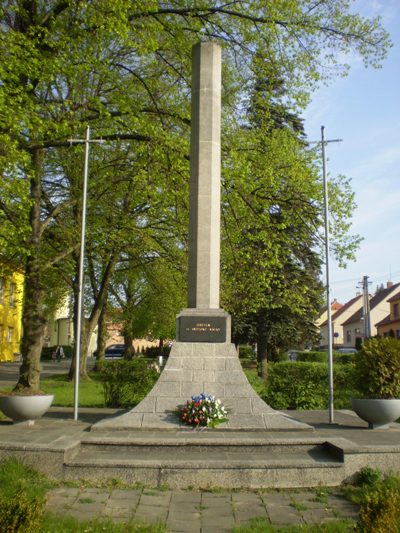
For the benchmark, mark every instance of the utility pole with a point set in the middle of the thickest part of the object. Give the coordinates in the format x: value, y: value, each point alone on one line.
x: 324, y: 142
x: 366, y: 308
x: 78, y: 339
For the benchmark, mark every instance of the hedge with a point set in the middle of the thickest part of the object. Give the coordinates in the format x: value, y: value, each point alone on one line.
x: 298, y: 385
x: 322, y: 357
x: 126, y: 383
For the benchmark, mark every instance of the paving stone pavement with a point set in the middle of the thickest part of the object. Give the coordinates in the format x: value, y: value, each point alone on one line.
x: 190, y: 511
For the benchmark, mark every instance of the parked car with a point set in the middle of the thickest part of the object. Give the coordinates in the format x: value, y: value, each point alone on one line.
x: 346, y: 350
x: 115, y: 351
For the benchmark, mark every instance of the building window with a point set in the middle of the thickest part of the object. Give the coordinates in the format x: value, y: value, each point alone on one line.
x: 348, y: 335
x: 9, y: 334
x: 11, y: 296
x: 395, y: 310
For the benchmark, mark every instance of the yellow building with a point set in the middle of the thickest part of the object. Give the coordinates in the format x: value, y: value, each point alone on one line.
x: 11, y: 295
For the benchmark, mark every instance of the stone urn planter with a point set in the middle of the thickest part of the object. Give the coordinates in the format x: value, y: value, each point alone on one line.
x: 22, y: 408
x: 377, y: 378
x: 379, y: 413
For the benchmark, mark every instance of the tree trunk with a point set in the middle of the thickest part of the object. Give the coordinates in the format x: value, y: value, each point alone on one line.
x: 101, y: 336
x: 89, y: 325
x: 86, y: 334
x: 87, y: 331
x: 129, y: 349
x: 71, y: 374
x: 161, y: 346
x: 33, y: 318
x: 33, y: 322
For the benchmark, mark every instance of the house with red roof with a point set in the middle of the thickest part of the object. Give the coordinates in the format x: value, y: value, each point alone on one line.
x: 338, y: 317
x: 390, y: 325
x: 353, y: 327
x: 323, y: 313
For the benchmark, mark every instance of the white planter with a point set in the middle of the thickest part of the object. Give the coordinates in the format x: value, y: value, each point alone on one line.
x: 22, y: 408
x: 379, y: 413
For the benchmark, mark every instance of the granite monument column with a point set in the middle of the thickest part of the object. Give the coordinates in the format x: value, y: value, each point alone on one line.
x: 205, y: 157
x: 203, y: 359
x: 204, y: 320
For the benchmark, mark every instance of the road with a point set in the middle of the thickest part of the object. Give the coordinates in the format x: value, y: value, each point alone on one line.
x: 9, y: 371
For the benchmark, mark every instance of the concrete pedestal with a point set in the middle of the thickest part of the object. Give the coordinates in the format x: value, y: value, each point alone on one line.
x: 193, y: 368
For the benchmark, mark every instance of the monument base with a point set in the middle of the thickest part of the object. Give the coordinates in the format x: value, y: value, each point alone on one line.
x: 193, y: 368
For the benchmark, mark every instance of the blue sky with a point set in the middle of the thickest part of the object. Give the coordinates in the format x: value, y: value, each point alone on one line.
x: 363, y: 109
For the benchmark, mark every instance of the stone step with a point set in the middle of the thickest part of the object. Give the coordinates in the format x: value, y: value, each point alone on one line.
x: 198, y: 461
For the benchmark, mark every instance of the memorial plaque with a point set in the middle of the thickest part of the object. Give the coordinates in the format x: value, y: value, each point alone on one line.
x: 202, y: 329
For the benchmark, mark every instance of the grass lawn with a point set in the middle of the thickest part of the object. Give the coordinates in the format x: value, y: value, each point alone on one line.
x: 90, y: 391
x: 260, y: 525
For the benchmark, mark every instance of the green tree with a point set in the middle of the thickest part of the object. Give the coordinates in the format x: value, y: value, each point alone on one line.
x: 273, y: 215
x: 124, y: 68
x: 270, y: 256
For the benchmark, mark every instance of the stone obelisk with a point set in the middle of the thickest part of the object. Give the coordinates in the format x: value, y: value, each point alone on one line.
x: 203, y: 359
x: 203, y: 320
x: 205, y: 177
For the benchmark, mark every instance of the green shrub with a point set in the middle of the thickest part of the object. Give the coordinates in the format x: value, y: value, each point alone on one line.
x: 246, y: 352
x: 343, y: 358
x: 126, y: 383
x: 298, y: 385
x: 343, y: 385
x: 20, y: 514
x: 377, y: 368
x: 380, y: 511
x: 312, y: 357
x: 368, y: 477
x: 322, y: 357
x: 293, y: 385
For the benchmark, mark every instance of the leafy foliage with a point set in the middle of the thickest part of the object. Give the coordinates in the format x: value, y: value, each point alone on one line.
x: 126, y: 383
x: 369, y: 477
x: 322, y: 357
x: 312, y: 357
x: 379, y: 505
x: 377, y: 367
x: 293, y: 385
x: 124, y: 69
x: 19, y: 514
x: 22, y: 497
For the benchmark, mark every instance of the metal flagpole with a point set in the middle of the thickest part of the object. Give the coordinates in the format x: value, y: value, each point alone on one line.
x: 78, y: 339
x: 328, y: 290
x: 323, y: 142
